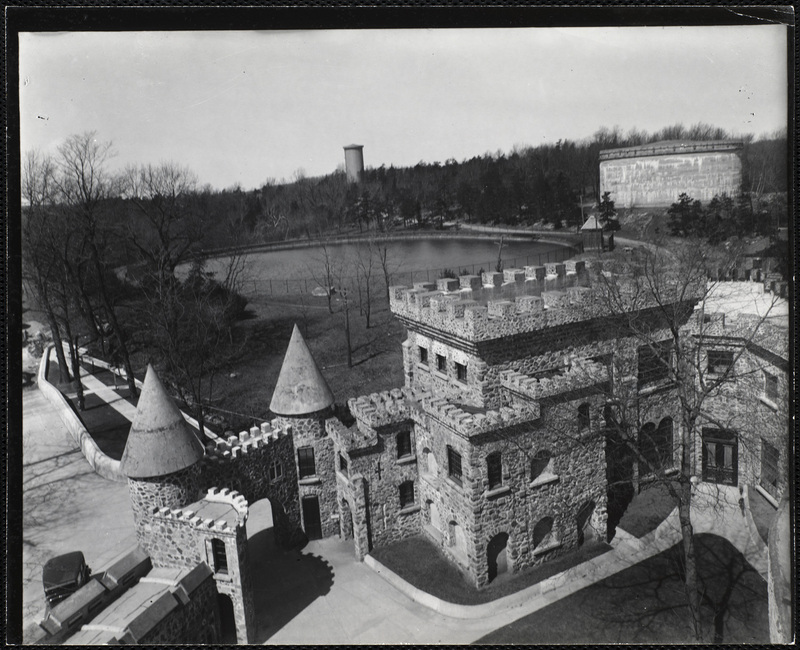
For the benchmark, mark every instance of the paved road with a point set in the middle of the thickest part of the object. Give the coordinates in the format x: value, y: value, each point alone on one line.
x: 66, y: 506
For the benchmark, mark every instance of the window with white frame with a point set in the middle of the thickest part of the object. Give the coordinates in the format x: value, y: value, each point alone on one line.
x: 770, y: 459
x: 770, y: 386
x: 275, y: 470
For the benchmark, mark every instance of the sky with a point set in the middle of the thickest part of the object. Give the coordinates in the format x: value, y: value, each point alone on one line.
x: 245, y: 107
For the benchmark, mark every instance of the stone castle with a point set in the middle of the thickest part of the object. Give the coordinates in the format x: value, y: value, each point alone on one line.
x: 496, y: 447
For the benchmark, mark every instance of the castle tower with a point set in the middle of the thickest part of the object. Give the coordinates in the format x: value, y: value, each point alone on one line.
x: 160, y: 457
x: 303, y: 401
x: 354, y: 162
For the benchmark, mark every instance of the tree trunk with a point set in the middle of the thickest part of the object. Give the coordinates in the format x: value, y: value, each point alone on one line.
x: 55, y: 331
x: 112, y: 317
x: 76, y: 367
x: 690, y: 562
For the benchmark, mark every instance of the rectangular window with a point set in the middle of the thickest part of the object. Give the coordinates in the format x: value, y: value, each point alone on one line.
x: 461, y: 372
x: 441, y: 363
x: 423, y: 355
x: 770, y: 386
x: 719, y: 361
x: 770, y: 458
x: 494, y: 469
x: 583, y: 417
x: 654, y: 362
x: 343, y: 465
x: 305, y: 462
x: 720, y: 456
x: 454, y: 464
x: 220, y: 557
x: 407, y: 494
x: 403, y: 444
x: 275, y: 470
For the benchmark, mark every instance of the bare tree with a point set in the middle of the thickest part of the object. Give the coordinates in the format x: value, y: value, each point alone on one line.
x: 85, y: 188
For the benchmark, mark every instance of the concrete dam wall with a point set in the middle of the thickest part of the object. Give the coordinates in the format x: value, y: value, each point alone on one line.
x: 653, y: 175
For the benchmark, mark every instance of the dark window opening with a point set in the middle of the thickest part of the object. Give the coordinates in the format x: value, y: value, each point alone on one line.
x: 541, y: 531
x: 720, y: 456
x: 655, y: 443
x: 494, y: 470
x: 407, y: 494
x: 306, y: 464
x: 540, y: 462
x: 583, y: 417
x: 220, y: 557
x: 403, y: 444
x: 461, y: 372
x: 454, y: 464
x: 343, y: 465
x: 441, y: 363
x: 423, y: 355
x: 654, y: 363
x: 770, y: 459
x: 719, y: 361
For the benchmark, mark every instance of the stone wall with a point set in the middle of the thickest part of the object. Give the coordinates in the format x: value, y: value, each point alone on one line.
x: 310, y: 432
x: 372, y: 479
x: 172, y: 491
x: 654, y: 175
x: 194, y: 620
x: 243, y: 463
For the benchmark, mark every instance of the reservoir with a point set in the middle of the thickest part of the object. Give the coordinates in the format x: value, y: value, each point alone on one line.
x: 300, y: 270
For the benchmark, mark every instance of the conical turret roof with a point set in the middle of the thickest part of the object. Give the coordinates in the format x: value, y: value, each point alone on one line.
x: 160, y: 441
x: 301, y: 388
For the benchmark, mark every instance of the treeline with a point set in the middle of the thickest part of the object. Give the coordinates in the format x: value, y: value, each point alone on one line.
x: 545, y: 185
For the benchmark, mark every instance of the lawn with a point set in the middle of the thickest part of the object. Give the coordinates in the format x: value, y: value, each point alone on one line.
x: 421, y: 563
x: 647, y: 604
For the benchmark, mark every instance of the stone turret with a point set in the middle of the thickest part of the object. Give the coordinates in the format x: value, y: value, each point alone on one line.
x: 161, y: 455
x: 302, y: 401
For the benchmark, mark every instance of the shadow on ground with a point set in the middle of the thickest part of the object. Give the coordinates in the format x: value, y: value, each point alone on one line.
x: 285, y: 582
x: 647, y: 604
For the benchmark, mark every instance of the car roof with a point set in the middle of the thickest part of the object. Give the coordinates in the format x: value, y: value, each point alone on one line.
x: 63, y: 569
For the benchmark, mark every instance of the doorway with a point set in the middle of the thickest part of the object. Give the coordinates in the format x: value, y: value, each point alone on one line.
x: 497, y: 555
x: 311, y: 518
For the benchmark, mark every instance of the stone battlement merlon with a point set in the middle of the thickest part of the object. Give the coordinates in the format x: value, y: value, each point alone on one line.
x: 581, y: 374
x: 235, y: 446
x: 680, y: 147
x: 235, y: 518
x: 390, y: 407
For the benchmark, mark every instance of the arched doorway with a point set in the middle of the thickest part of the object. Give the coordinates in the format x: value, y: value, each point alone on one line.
x: 312, y: 523
x: 436, y: 519
x: 497, y: 555
x: 227, y: 620
x: 586, y: 532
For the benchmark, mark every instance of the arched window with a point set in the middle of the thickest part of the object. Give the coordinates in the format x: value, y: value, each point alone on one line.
x: 542, y: 532
x: 583, y: 417
x: 406, y: 494
x: 663, y: 442
x: 541, y: 464
x: 494, y: 469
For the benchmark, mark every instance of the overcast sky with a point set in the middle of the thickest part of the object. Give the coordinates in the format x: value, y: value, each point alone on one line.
x: 242, y: 107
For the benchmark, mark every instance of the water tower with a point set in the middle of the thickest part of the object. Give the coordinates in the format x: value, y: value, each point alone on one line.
x: 354, y: 162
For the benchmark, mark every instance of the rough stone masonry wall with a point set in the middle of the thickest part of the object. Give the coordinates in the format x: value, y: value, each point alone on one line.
x: 179, y: 538
x: 242, y: 463
x: 741, y: 405
x: 310, y: 432
x: 383, y: 472
x: 171, y: 491
x: 195, y: 622
x: 657, y: 180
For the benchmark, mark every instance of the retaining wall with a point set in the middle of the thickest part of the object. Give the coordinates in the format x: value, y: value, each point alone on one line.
x: 105, y: 466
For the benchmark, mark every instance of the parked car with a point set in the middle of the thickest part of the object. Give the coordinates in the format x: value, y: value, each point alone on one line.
x: 62, y: 576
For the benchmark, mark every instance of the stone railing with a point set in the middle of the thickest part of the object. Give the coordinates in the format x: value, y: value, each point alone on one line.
x: 235, y: 518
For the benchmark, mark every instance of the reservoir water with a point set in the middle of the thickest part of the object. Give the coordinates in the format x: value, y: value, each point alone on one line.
x: 411, y: 260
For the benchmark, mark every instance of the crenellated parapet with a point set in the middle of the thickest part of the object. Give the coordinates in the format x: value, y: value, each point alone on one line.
x: 233, y: 447
x: 206, y: 514
x: 581, y: 374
